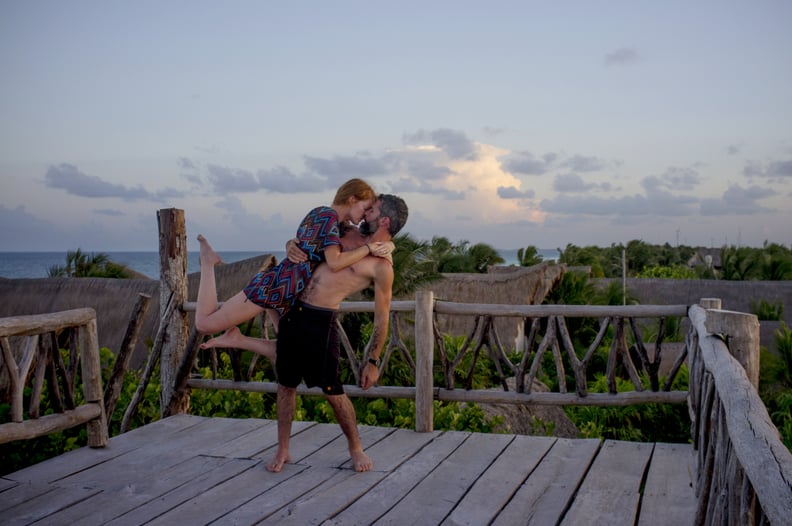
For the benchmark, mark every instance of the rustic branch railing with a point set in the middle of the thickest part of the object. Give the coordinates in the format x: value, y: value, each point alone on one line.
x: 550, y: 340
x: 41, y: 354
x: 744, y: 470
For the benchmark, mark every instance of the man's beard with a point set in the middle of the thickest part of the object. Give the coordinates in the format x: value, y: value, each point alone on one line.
x: 365, y: 228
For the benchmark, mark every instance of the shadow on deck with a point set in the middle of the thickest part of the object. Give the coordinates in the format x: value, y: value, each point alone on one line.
x: 196, y: 470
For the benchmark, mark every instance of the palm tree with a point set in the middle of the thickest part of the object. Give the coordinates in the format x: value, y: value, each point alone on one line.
x: 528, y: 256
x: 738, y: 264
x: 462, y: 257
x: 413, y: 265
x: 482, y: 256
x: 94, y: 265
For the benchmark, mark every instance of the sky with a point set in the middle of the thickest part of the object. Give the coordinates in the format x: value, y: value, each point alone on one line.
x: 509, y: 123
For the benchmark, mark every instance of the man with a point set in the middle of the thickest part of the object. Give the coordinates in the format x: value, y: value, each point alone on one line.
x: 312, y: 321
x: 308, y: 346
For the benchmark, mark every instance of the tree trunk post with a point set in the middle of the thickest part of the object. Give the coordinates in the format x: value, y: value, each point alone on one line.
x: 91, y: 369
x: 424, y: 360
x: 173, y: 282
x: 741, y: 332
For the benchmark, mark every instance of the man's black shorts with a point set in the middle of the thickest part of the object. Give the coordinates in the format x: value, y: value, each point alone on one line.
x: 308, y: 349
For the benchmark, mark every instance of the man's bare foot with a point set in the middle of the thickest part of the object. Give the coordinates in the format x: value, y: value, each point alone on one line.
x: 276, y: 464
x: 230, y: 339
x: 208, y: 255
x: 360, y: 461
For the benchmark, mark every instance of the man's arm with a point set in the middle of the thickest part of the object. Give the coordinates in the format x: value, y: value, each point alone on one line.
x: 383, y: 290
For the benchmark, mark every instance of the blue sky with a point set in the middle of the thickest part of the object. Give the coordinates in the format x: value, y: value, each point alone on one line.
x: 509, y: 123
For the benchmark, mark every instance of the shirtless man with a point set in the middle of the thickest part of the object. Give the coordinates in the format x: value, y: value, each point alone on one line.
x: 308, y: 347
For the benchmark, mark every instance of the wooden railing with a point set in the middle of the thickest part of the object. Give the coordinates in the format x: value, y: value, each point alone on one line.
x: 40, y: 353
x: 548, y: 336
x: 744, y: 470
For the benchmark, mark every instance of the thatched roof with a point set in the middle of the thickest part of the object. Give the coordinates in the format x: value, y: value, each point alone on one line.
x: 113, y: 299
x: 507, y: 285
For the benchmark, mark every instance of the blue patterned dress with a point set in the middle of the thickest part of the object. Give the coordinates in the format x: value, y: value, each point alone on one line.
x: 278, y: 287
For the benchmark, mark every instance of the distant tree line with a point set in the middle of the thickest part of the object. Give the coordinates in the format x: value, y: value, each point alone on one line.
x: 772, y: 262
x: 419, y: 262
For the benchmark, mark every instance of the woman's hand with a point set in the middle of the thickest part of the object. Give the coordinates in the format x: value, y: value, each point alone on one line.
x: 294, y: 253
x: 382, y: 249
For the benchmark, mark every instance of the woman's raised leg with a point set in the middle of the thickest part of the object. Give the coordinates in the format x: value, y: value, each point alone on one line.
x: 208, y: 317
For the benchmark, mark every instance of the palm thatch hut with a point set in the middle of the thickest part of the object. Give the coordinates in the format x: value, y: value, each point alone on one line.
x: 503, y: 285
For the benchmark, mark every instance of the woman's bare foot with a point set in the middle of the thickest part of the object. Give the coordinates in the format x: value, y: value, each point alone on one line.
x: 234, y: 339
x: 360, y: 461
x: 230, y: 339
x: 208, y: 255
x: 276, y: 464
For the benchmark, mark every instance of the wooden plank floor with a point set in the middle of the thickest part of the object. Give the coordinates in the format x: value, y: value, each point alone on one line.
x: 194, y: 470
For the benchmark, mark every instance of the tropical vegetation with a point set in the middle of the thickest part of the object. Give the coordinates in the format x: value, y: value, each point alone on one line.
x: 93, y: 265
x: 772, y: 262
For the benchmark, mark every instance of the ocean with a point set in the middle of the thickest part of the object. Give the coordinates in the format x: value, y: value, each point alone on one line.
x: 16, y: 265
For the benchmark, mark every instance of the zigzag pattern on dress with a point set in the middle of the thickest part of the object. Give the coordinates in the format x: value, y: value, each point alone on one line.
x: 278, y: 287
x: 317, y: 231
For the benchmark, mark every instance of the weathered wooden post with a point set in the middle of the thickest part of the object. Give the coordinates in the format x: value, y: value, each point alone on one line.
x: 741, y: 331
x: 424, y: 360
x: 92, y: 382
x: 173, y: 290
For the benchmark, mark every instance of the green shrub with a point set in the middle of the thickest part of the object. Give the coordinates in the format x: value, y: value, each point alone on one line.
x: 672, y: 272
x: 775, y: 383
x: 766, y: 311
x: 639, y: 422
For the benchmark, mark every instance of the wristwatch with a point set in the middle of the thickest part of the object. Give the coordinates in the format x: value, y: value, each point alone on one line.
x: 374, y: 361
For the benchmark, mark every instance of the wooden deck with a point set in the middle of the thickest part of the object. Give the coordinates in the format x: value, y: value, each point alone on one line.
x: 194, y: 470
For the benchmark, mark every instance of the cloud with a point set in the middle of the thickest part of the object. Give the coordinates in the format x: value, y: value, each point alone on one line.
x: 187, y: 164
x: 189, y: 171
x: 410, y: 184
x: 574, y: 183
x: 525, y: 163
x: 673, y: 179
x: 340, y: 168
x: 780, y: 169
x: 194, y: 179
x: 67, y: 177
x: 226, y: 180
x: 282, y: 180
x: 511, y: 192
x: 621, y: 57
x: 168, y: 193
x: 776, y: 170
x: 737, y: 200
x: 658, y: 204
x: 427, y: 171
x: 454, y: 143
x: 581, y: 163
x: 732, y: 149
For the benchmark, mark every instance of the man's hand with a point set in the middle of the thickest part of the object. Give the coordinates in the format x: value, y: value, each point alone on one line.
x: 370, y: 376
x: 294, y: 253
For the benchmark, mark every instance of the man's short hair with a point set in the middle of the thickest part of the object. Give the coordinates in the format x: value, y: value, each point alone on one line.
x: 394, y: 208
